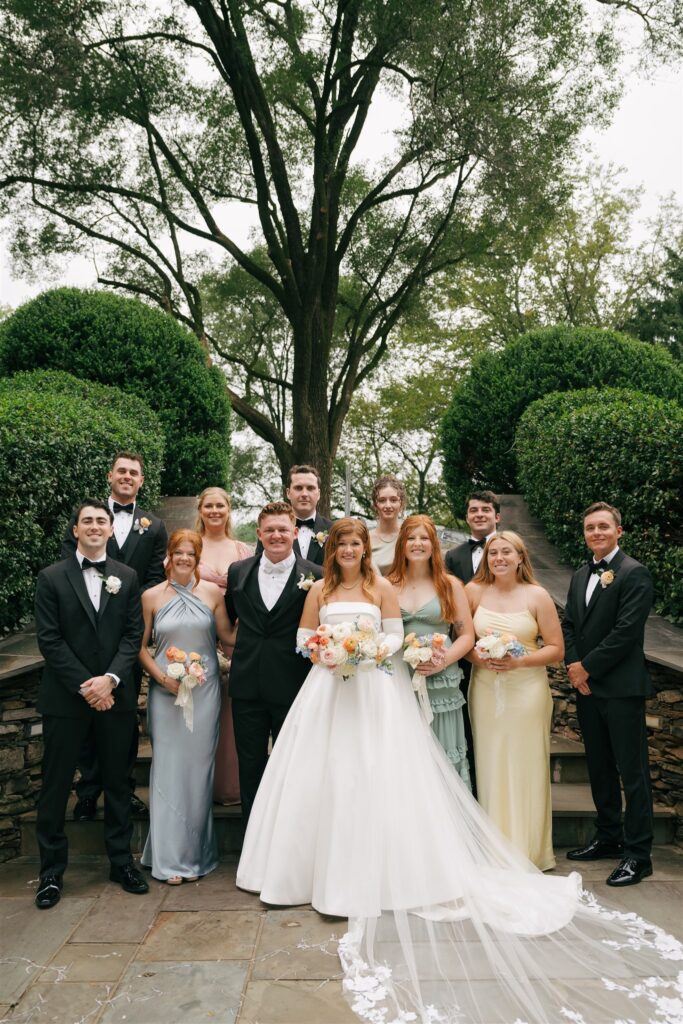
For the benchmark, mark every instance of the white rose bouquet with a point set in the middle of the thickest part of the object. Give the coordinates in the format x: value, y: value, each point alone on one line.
x: 189, y: 670
x: 498, y: 645
x: 347, y: 646
x: 418, y: 650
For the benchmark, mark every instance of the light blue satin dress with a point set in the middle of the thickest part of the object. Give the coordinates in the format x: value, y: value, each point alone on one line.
x: 445, y: 696
x: 181, y: 838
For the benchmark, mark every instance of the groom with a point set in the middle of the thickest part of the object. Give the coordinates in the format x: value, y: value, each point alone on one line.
x: 266, y: 593
x: 89, y: 627
x: 608, y: 604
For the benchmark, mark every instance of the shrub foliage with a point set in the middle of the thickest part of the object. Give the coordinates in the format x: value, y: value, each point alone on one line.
x: 609, y: 445
x: 120, y: 342
x: 479, y: 427
x: 56, y: 449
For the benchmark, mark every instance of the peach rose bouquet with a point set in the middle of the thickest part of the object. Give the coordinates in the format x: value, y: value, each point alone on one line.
x: 189, y: 670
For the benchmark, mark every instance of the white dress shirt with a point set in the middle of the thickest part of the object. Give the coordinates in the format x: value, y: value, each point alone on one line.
x: 594, y: 577
x: 92, y: 580
x: 272, y: 577
x: 478, y: 552
x: 123, y: 523
x: 304, y: 537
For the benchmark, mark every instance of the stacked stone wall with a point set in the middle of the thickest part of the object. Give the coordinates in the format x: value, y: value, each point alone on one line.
x: 21, y: 751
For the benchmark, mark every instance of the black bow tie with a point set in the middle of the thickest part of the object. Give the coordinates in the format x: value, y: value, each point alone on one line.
x: 598, y: 566
x: 100, y: 566
x: 310, y: 523
x: 129, y: 509
x: 476, y: 543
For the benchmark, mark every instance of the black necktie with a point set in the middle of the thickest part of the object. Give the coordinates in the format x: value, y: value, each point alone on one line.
x: 124, y: 508
x: 99, y: 566
x: 476, y: 543
x: 598, y: 566
x: 310, y: 523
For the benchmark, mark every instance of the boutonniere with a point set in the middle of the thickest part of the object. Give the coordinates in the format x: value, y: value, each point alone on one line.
x: 112, y: 584
x: 321, y: 537
x: 306, y: 582
x: 606, y: 578
x: 142, y: 525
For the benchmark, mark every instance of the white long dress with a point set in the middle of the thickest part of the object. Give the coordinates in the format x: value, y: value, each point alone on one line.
x: 361, y: 814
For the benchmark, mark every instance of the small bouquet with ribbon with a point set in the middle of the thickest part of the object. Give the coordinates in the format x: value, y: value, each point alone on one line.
x: 497, y: 646
x: 189, y: 670
x: 418, y: 650
x: 347, y: 646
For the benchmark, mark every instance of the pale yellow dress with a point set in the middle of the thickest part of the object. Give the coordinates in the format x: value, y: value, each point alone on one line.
x: 511, y: 719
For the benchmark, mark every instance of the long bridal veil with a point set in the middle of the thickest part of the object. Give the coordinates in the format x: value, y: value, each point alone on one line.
x: 505, y: 944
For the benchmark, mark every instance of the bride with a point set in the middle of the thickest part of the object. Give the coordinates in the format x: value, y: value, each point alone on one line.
x: 361, y: 814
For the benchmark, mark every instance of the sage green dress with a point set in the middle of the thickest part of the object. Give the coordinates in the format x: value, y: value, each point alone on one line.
x: 445, y: 695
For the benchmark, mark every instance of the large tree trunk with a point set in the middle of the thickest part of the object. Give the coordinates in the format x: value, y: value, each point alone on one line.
x: 310, y: 413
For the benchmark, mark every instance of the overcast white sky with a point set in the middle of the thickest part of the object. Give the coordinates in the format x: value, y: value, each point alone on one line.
x: 645, y: 138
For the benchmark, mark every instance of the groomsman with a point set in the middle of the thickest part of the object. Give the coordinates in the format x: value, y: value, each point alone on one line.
x: 89, y: 627
x: 266, y: 593
x: 138, y: 540
x: 303, y: 494
x: 482, y: 515
x: 607, y: 606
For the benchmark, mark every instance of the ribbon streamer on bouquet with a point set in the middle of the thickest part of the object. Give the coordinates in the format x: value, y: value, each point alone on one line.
x: 420, y: 687
x: 184, y: 700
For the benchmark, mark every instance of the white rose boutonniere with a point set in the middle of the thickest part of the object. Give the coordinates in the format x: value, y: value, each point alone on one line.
x: 112, y: 584
x: 321, y: 537
x: 142, y: 524
x: 306, y: 582
x: 606, y: 578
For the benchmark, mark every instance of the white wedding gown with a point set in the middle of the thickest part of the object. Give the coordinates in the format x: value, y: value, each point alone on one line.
x: 361, y: 814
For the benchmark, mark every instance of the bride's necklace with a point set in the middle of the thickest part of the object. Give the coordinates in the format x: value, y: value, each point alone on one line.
x: 352, y: 587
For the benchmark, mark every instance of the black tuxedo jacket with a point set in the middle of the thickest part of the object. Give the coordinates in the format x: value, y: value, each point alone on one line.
x: 77, y: 642
x: 316, y: 552
x: 459, y: 562
x: 144, y: 552
x: 607, y: 636
x: 265, y: 664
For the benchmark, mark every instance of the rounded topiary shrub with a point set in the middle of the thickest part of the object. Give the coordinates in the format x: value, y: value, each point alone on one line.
x: 609, y: 445
x: 122, y: 343
x: 55, y: 449
x: 479, y: 426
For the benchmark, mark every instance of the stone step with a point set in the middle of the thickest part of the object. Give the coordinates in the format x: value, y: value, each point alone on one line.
x: 573, y: 824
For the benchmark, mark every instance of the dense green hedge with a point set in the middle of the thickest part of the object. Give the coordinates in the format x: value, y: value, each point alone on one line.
x: 609, y: 445
x: 121, y: 342
x: 479, y: 427
x: 55, y: 449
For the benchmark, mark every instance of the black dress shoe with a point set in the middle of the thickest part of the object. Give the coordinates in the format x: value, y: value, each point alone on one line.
x: 630, y: 872
x: 129, y: 878
x: 85, y: 809
x: 137, y: 806
x: 597, y: 850
x: 49, y: 891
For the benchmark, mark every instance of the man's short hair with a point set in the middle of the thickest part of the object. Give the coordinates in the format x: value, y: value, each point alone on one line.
x: 486, y: 496
x: 133, y: 456
x: 302, y: 469
x: 94, y: 503
x: 603, y: 506
x: 277, y: 508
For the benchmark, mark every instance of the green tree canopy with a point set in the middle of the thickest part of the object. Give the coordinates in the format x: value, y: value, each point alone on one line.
x: 658, y: 318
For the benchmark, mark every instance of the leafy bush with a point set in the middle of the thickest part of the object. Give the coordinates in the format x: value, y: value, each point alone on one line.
x: 55, y: 450
x: 121, y: 342
x: 609, y: 445
x: 479, y: 427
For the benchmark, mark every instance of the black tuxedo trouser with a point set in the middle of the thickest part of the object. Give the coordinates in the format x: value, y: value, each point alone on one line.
x: 62, y: 742
x: 615, y: 738
x: 254, y: 722
x: 90, y: 782
x: 464, y: 687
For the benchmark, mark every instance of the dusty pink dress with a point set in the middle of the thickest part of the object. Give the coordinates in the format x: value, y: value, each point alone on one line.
x: 226, y: 786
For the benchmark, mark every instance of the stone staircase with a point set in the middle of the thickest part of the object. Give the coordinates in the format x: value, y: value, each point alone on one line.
x: 573, y: 812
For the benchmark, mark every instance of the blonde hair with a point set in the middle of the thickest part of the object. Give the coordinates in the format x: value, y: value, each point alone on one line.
x: 199, y: 524
x: 525, y: 573
x: 332, y: 572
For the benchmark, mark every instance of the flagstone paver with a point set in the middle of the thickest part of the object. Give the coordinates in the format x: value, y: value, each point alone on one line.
x: 61, y: 1003
x: 215, y: 892
x: 89, y: 961
x: 298, y: 945
x: 119, y: 916
x: 178, y: 993
x: 202, y: 935
x: 295, y: 1002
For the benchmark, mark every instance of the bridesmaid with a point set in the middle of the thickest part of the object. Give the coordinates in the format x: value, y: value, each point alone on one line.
x: 219, y: 551
x: 184, y: 612
x: 389, y: 502
x: 509, y: 699
x: 433, y: 601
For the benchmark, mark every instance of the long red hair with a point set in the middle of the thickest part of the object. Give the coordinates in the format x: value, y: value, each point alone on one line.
x: 177, y: 538
x: 443, y: 581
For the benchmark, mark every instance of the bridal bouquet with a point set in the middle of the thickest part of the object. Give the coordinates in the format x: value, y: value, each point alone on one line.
x: 190, y: 671
x: 420, y: 649
x: 497, y: 645
x: 345, y: 647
